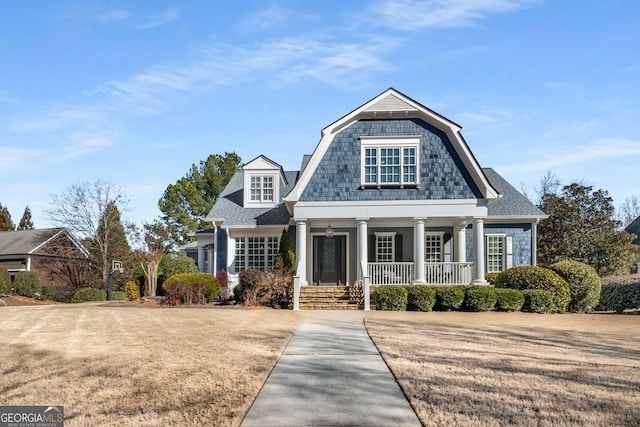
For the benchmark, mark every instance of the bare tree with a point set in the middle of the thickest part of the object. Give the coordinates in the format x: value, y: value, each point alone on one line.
x: 86, y: 209
x: 548, y: 184
x: 629, y: 210
x: 155, y: 240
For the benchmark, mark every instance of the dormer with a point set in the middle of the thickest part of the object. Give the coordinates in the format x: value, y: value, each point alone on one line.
x: 264, y: 181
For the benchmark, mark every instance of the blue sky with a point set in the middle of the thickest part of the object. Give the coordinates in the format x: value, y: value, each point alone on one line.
x: 136, y: 92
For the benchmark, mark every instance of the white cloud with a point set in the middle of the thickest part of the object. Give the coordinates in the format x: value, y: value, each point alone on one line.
x: 553, y: 158
x: 411, y: 15
x: 158, y: 19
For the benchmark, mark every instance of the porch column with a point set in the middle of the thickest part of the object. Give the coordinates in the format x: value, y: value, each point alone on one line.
x: 478, y: 252
x: 210, y: 256
x: 534, y: 243
x: 363, y: 249
x: 418, y: 244
x: 201, y: 252
x: 215, y: 250
x: 301, y: 250
x: 460, y: 242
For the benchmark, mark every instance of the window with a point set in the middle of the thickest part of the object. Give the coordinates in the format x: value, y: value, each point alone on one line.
x: 389, y: 162
x: 256, y: 252
x: 261, y: 189
x: 495, y: 253
x: 433, y: 247
x: 385, y: 247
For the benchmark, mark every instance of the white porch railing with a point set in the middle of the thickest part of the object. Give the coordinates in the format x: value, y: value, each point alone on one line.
x: 436, y: 273
x: 390, y: 273
x: 448, y: 273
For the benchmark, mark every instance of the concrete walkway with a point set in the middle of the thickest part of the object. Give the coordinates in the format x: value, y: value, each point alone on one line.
x: 331, y: 374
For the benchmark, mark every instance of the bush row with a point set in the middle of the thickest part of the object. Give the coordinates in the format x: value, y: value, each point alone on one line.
x: 620, y: 293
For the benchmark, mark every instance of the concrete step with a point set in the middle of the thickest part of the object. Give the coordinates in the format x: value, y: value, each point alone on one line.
x: 329, y: 298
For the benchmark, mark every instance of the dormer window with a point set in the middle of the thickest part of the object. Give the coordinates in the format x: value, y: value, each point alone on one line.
x: 262, y: 189
x: 389, y: 162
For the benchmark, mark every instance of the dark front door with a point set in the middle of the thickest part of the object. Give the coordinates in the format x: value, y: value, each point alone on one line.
x: 329, y: 260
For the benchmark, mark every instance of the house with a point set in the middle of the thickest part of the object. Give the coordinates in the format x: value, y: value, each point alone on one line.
x: 53, y: 253
x: 634, y: 228
x: 392, y: 194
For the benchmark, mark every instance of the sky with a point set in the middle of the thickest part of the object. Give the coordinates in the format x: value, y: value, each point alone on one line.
x: 134, y: 93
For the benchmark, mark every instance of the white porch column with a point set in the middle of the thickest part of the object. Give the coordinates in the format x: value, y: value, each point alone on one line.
x: 28, y: 264
x: 418, y: 244
x: 460, y: 242
x: 534, y: 243
x: 215, y: 249
x: 211, y: 257
x: 478, y: 252
x: 201, y: 251
x: 301, y: 250
x: 363, y: 249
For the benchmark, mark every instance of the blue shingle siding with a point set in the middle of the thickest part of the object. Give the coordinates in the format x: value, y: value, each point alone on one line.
x: 520, y: 233
x: 442, y: 173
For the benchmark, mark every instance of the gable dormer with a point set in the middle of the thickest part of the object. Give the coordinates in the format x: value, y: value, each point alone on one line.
x: 264, y: 182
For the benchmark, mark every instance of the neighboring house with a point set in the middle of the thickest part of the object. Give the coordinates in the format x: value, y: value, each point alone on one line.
x: 392, y: 194
x: 53, y: 253
x: 634, y: 228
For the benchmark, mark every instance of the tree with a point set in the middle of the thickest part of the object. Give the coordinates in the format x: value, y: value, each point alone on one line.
x: 92, y: 212
x: 155, y: 242
x: 286, y: 258
x: 185, y: 203
x: 5, y: 219
x: 582, y: 227
x: 25, y: 221
x: 629, y: 211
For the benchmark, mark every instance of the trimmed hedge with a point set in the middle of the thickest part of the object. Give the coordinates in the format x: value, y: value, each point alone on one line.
x: 584, y: 284
x: 118, y: 296
x: 392, y: 298
x: 491, y: 277
x: 89, y: 294
x: 190, y: 279
x: 5, y: 281
x: 27, y: 283
x: 56, y: 293
x: 420, y: 298
x: 509, y: 299
x: 479, y: 298
x: 537, y: 301
x: 449, y: 298
x: 620, y: 296
x: 533, y: 277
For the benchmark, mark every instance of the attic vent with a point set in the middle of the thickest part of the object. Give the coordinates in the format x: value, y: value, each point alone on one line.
x: 391, y: 103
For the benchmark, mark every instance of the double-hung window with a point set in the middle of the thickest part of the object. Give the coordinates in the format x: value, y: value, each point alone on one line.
x: 389, y: 161
x: 385, y: 247
x: 499, y: 252
x: 261, y: 189
x: 433, y: 247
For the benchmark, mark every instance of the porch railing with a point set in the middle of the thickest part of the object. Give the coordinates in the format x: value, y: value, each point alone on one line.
x: 448, y: 273
x: 436, y: 273
x: 390, y: 273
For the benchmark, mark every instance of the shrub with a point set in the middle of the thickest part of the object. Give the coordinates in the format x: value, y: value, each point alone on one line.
x: 491, y: 277
x: 584, y: 284
x: 176, y: 264
x: 56, y: 293
x: 132, y: 290
x: 89, y: 294
x: 238, y: 294
x: 449, y: 297
x: 27, y: 283
x: 479, y: 298
x: 620, y: 293
x: 249, y: 282
x: 421, y: 298
x: 191, y: 279
x: 392, y: 298
x: 5, y: 281
x: 223, y: 284
x: 179, y: 293
x: 532, y: 277
x: 118, y: 295
x: 275, y: 289
x: 509, y: 299
x: 537, y: 301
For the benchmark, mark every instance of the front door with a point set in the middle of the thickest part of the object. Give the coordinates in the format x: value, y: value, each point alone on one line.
x: 329, y: 260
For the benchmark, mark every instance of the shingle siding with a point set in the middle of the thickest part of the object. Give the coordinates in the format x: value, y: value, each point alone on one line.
x: 521, y: 234
x: 442, y: 173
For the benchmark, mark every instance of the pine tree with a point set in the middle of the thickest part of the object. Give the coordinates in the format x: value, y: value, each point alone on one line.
x: 5, y: 219
x: 25, y: 221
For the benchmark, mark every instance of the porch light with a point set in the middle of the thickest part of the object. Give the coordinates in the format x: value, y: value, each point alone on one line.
x: 328, y: 232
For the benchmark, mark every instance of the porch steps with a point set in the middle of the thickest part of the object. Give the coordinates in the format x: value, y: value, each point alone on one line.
x: 330, y: 298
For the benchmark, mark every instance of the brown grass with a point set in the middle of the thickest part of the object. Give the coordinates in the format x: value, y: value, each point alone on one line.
x: 494, y: 369
x: 122, y: 366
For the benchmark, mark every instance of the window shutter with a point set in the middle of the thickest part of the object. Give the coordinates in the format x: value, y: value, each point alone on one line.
x: 398, y: 244
x: 508, y: 243
x: 371, y: 248
x: 447, y: 248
